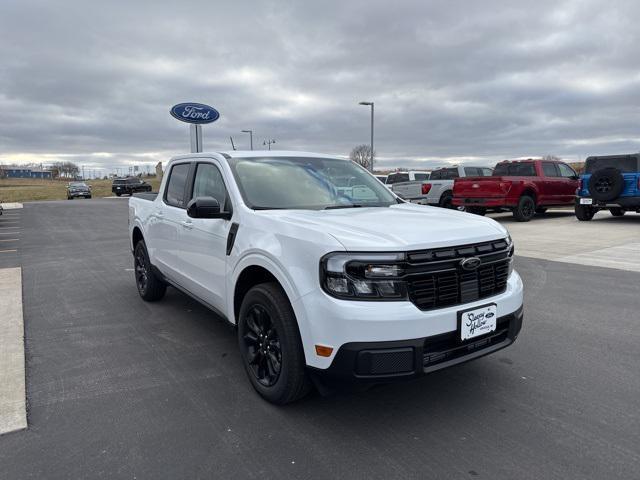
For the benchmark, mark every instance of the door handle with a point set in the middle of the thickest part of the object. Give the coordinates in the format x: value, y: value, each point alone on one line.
x: 187, y: 225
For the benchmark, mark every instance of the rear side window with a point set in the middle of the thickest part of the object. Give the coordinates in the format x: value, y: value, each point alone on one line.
x: 175, y: 188
x: 209, y: 183
x: 421, y: 176
x: 397, y: 178
x: 550, y: 169
x: 486, y: 172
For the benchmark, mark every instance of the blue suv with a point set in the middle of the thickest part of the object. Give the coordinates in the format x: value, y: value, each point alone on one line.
x: 611, y: 182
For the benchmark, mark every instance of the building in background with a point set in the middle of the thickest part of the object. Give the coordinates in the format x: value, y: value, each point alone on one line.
x: 24, y: 172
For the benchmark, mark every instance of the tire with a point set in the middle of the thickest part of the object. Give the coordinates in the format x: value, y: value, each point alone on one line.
x: 584, y: 213
x: 270, y: 345
x: 477, y: 211
x: 89, y: 196
x: 541, y: 210
x: 606, y: 184
x: 118, y: 194
x: 150, y: 287
x: 525, y: 210
x: 69, y: 198
x: 617, y: 211
x: 446, y: 200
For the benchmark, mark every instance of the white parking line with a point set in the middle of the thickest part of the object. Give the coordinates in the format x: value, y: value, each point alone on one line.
x: 9, y: 239
x: 13, y: 414
x: 10, y: 206
x: 8, y: 251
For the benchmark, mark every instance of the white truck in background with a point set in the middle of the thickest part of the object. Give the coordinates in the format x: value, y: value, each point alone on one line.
x: 438, y: 189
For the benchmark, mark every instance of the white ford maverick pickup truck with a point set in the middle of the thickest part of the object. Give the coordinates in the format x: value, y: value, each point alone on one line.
x: 326, y: 284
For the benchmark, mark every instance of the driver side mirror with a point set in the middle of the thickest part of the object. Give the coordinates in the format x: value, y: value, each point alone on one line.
x: 206, y: 207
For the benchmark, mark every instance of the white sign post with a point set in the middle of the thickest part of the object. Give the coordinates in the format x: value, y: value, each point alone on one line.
x: 196, y: 138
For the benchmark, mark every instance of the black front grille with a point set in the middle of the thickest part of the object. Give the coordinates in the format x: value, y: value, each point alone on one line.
x: 436, y: 278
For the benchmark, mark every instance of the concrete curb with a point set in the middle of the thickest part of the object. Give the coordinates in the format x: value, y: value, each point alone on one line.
x: 11, y: 206
x: 13, y: 414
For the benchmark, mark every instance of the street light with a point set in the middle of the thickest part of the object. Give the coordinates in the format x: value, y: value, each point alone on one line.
x: 250, y: 132
x: 371, y: 160
x: 268, y: 142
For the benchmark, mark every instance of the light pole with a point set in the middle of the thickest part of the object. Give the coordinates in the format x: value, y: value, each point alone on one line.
x: 250, y: 132
x: 268, y: 142
x: 371, y: 160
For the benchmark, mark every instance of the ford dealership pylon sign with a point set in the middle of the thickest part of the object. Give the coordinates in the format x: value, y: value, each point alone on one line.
x: 197, y: 113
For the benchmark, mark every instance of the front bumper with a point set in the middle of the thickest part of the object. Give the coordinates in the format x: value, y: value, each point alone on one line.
x: 79, y: 194
x: 327, y: 321
x: 378, y: 362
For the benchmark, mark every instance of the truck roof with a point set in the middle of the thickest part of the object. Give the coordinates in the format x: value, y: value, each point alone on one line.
x: 257, y: 154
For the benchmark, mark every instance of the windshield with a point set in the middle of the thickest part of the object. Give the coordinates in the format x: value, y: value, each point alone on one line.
x: 307, y: 183
x: 77, y: 185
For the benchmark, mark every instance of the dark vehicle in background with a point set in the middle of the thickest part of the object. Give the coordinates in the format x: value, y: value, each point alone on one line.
x: 78, y: 190
x: 610, y: 182
x: 525, y: 187
x: 129, y: 186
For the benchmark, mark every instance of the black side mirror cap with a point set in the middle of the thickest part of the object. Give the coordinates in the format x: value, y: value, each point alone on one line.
x: 206, y: 207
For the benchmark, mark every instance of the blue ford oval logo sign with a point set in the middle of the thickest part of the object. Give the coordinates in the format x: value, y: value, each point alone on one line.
x: 194, y: 113
x: 470, y: 263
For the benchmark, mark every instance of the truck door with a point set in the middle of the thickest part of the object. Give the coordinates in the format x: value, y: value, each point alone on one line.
x: 202, y: 248
x: 166, y: 222
x: 569, y: 183
x: 550, y: 185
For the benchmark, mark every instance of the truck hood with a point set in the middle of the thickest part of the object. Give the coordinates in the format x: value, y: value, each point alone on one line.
x: 399, y: 227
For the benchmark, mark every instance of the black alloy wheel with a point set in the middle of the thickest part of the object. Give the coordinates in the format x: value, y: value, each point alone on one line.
x: 262, y: 346
x: 525, y: 210
x: 141, y: 269
x: 150, y: 287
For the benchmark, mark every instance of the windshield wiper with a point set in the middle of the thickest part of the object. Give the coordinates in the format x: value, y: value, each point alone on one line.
x: 352, y: 205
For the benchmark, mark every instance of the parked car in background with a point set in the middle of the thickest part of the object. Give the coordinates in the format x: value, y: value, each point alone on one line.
x: 129, y: 186
x: 396, y: 181
x: 525, y: 187
x: 78, y: 190
x: 438, y: 190
x: 397, y: 178
x: 610, y: 182
x: 382, y: 178
x: 321, y: 283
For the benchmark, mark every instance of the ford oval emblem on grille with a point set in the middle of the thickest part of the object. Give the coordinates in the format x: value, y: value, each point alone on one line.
x: 470, y: 263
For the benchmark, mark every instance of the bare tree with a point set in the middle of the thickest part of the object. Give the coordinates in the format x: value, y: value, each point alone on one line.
x: 551, y: 158
x: 362, y: 155
x: 66, y: 169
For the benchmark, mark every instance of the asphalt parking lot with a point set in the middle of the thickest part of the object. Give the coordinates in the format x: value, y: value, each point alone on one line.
x: 119, y: 388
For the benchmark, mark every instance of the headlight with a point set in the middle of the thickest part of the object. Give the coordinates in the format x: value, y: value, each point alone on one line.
x: 364, y: 276
x: 511, y: 252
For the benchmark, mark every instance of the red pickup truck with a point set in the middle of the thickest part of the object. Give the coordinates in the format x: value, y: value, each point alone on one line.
x: 526, y: 187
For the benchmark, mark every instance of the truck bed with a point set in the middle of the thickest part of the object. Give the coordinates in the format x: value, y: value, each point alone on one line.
x: 151, y: 196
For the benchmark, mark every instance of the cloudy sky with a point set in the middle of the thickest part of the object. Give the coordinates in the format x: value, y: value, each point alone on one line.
x: 452, y: 81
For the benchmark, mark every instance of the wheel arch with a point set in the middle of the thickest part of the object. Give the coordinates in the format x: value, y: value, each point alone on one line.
x: 530, y: 191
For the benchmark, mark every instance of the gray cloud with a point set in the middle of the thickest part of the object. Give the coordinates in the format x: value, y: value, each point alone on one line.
x: 453, y: 81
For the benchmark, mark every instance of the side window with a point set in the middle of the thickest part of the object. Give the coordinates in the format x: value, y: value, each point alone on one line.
x: 450, y: 173
x: 527, y: 169
x: 421, y: 176
x: 436, y: 175
x: 566, y: 171
x: 209, y: 183
x: 177, y: 181
x: 487, y: 172
x: 472, y: 172
x: 550, y: 169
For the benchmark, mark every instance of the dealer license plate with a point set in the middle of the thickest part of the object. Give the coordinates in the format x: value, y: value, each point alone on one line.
x: 477, y: 322
x: 586, y: 201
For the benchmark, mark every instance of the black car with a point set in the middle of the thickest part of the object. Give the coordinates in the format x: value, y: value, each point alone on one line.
x: 77, y: 190
x: 129, y: 186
